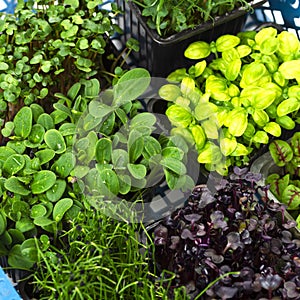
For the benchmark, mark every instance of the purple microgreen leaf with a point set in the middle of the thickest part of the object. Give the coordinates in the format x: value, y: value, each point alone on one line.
x: 233, y: 241
x: 253, y: 223
x: 186, y: 234
x: 276, y: 246
x: 175, y: 239
x: 286, y: 236
x: 216, y: 258
x: 252, y: 177
x: 206, y: 198
x: 270, y: 282
x: 296, y: 260
x: 289, y: 224
x: 192, y: 217
x: 217, y: 219
x: 160, y: 235
x: 226, y: 292
x: 292, y: 290
x: 201, y: 230
x: 239, y: 171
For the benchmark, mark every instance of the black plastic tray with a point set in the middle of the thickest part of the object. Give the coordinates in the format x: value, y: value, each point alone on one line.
x: 160, y: 55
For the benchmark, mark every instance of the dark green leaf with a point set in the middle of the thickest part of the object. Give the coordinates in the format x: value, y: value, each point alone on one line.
x: 103, y: 150
x: 12, y: 184
x: 64, y: 165
x: 14, y: 164
x: 17, y: 260
x: 138, y: 171
x: 110, y: 180
x: 46, y: 121
x: 173, y: 165
x: 291, y: 197
x: 55, y: 141
x: 281, y: 152
x: 38, y: 210
x: 57, y: 190
x: 131, y: 85
x: 136, y: 147
x: 45, y: 155
x: 42, y: 181
x: 61, y: 207
x: 23, y: 122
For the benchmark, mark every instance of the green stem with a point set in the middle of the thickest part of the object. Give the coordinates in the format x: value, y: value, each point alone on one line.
x: 159, y: 8
x: 215, y: 281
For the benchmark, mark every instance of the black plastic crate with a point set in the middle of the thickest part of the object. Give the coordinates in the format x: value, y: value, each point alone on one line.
x: 13, y: 287
x: 163, y: 55
x: 282, y: 12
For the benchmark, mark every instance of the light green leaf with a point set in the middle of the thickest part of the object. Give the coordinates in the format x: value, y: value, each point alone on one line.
x: 227, y: 145
x: 179, y: 116
x: 254, y: 74
x: 199, y: 136
x: 210, y: 154
x: 169, y: 92
x: 174, y: 181
x: 174, y: 152
x: 135, y: 149
x: 99, y: 110
x: 233, y: 69
x: 197, y: 50
x: 146, y: 119
x: 237, y: 121
x: 46, y: 121
x: 240, y: 150
x: 204, y: 110
x: 261, y: 137
x: 288, y: 106
x: 17, y: 260
x: 42, y: 221
x: 210, y: 128
x: 260, y: 117
x: 124, y: 183
x: 151, y: 147
x: 273, y: 128
x: 3, y: 66
x: 120, y: 158
x: 226, y: 42
x: 288, y: 43
x: 217, y: 87
x: 290, y: 69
